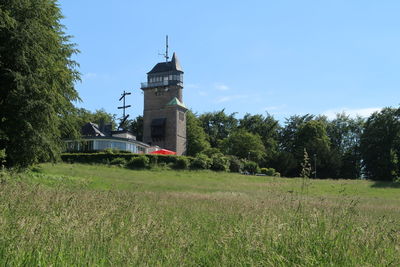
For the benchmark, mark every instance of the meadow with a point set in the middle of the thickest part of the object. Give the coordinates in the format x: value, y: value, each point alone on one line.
x: 75, y: 214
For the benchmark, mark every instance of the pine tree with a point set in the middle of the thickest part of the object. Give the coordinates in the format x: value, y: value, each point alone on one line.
x: 37, y: 78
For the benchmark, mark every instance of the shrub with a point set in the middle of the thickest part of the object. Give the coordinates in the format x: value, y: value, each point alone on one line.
x: 99, y: 157
x: 250, y: 167
x: 201, y: 162
x: 269, y: 172
x: 153, y: 159
x: 102, y: 157
x: 2, y: 157
x: 109, y: 151
x: 235, y: 164
x: 139, y: 162
x: 210, y: 152
x: 181, y: 163
x: 118, y: 161
x: 219, y: 163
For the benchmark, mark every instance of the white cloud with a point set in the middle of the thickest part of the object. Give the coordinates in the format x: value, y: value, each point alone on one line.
x: 363, y: 112
x: 229, y: 98
x: 221, y: 87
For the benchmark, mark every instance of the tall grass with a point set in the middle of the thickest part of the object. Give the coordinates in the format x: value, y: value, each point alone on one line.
x: 63, y: 221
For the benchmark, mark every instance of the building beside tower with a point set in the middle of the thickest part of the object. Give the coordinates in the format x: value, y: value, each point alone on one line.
x: 164, y: 114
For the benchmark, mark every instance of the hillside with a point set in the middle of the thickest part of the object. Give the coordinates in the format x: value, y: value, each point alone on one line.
x: 73, y: 214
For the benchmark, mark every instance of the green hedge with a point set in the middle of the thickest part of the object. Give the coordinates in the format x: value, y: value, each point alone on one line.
x: 135, y: 161
x: 106, y: 158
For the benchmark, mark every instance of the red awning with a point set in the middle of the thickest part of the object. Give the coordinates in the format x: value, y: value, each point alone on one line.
x: 163, y: 152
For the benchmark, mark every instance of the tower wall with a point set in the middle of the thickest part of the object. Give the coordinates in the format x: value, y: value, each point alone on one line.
x: 164, y: 118
x: 155, y: 107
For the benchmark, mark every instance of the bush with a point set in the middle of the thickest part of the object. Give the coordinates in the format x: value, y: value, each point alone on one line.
x: 219, y: 163
x: 267, y: 171
x: 2, y: 157
x: 210, y: 152
x: 109, y: 151
x: 181, y: 163
x: 235, y: 164
x: 250, y: 167
x: 153, y: 159
x: 201, y: 162
x: 102, y: 157
x: 118, y: 161
x: 139, y: 162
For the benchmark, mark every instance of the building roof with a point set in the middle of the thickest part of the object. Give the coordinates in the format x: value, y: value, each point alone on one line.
x: 172, y: 65
x: 175, y: 102
x: 91, y: 129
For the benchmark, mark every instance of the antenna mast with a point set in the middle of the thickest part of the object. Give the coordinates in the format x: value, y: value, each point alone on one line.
x: 124, y: 118
x: 166, y: 48
x: 165, y: 55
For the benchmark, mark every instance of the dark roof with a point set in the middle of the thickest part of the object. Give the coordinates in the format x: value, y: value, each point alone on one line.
x: 91, y: 129
x: 172, y: 65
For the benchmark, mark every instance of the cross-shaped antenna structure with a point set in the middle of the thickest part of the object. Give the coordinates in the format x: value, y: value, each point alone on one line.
x: 124, y: 107
x: 166, y: 49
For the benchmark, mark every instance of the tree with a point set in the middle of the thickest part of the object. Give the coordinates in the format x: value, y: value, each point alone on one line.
x: 288, y: 134
x: 345, y: 133
x: 244, y: 145
x: 37, y: 78
x: 299, y: 133
x: 218, y: 125
x: 380, y: 145
x: 136, y: 127
x: 267, y: 128
x: 80, y: 116
x: 196, y: 137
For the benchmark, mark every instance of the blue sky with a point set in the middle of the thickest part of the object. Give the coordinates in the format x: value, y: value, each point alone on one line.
x: 282, y: 57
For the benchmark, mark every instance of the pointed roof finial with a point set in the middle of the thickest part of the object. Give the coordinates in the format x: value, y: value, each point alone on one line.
x: 175, y: 62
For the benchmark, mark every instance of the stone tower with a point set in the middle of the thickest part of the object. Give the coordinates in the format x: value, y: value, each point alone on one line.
x: 164, y: 118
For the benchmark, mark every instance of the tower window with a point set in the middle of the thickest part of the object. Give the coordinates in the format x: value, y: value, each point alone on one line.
x: 158, y: 128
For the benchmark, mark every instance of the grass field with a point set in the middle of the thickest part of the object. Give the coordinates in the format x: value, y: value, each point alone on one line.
x: 68, y: 214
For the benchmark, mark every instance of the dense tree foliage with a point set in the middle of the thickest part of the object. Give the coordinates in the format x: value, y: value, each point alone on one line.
x: 244, y: 145
x: 345, y: 133
x: 136, y: 127
x: 37, y: 79
x: 380, y: 145
x: 217, y: 125
x: 343, y: 147
x: 80, y: 116
x: 267, y: 128
x: 196, y: 137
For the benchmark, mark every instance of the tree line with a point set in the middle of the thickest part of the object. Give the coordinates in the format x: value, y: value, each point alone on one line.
x: 343, y: 147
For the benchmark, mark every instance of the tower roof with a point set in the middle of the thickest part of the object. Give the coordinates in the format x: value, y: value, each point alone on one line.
x: 172, y: 65
x: 175, y: 102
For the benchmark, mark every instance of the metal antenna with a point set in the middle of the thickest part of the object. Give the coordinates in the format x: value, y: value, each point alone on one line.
x: 124, y: 107
x: 165, y: 55
x: 166, y: 48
